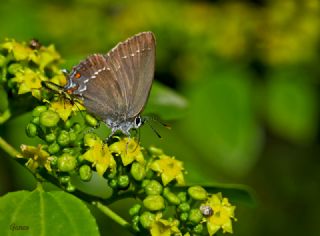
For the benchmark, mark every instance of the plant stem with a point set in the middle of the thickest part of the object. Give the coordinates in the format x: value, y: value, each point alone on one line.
x: 107, y: 211
x: 8, y: 148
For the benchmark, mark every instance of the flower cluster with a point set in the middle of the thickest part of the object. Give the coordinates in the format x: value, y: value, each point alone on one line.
x: 70, y: 147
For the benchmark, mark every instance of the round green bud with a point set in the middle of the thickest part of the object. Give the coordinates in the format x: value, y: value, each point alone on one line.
x: 198, y: 229
x: 137, y: 171
x: 154, y: 202
x: 53, y: 148
x: 147, y: 219
x: 14, y: 68
x: 182, y: 196
x: 113, y: 183
x: 38, y: 110
x: 135, y: 209
x: 63, y: 138
x: 72, y: 136
x: 76, y: 127
x: 49, y: 118
x: 50, y: 138
x: 91, y: 121
x: 135, y: 223
x: 68, y: 124
x: 184, y: 216
x: 35, y: 120
x: 64, y: 179
x: 155, y: 151
x: 195, y: 216
x: 171, y: 197
x: 85, y: 173
x: 66, y: 162
x: 54, y: 161
x: 70, y: 187
x: 2, y: 60
x: 197, y: 193
x: 184, y: 207
x: 153, y: 188
x: 123, y: 181
x: 145, y: 183
x: 69, y: 150
x: 31, y: 130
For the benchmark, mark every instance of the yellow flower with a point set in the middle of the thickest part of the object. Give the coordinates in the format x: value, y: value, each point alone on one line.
x: 162, y: 227
x: 19, y: 51
x: 129, y: 151
x: 223, y: 212
x: 169, y: 169
x: 99, y: 154
x: 65, y: 107
x: 47, y: 56
x: 37, y: 157
x: 28, y: 80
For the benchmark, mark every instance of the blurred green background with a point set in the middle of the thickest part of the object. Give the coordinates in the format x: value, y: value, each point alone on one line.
x: 249, y: 72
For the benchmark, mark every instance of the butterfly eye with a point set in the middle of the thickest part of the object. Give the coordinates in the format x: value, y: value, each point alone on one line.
x: 137, y: 121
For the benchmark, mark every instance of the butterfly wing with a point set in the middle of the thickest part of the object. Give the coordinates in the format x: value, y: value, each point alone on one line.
x: 133, y: 62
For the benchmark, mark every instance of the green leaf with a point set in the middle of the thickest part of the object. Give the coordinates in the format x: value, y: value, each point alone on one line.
x: 236, y: 193
x: 221, y: 122
x: 165, y: 102
x: 45, y: 213
x: 292, y: 106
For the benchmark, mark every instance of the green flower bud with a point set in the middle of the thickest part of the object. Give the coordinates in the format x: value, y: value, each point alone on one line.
x: 54, y: 161
x: 68, y: 124
x: 113, y: 183
x: 50, y: 138
x: 153, y: 188
x: 91, y: 121
x: 70, y: 187
x: 63, y: 138
x: 155, y: 151
x: 137, y: 171
x: 171, y: 197
x: 123, y: 181
x: 76, y: 127
x: 53, y: 148
x: 31, y: 130
x: 72, y: 136
x: 154, y: 202
x: 66, y: 162
x: 64, y: 179
x: 49, y: 118
x: 198, y: 193
x: 147, y: 219
x: 14, y: 68
x: 182, y: 196
x: 195, y: 216
x: 184, y: 207
x: 198, y: 229
x: 135, y: 209
x: 38, y: 110
x: 71, y: 151
x: 35, y: 120
x: 2, y: 61
x: 184, y: 216
x: 85, y: 173
x: 145, y: 183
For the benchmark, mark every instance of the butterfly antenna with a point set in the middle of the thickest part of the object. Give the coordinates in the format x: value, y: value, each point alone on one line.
x: 154, y: 130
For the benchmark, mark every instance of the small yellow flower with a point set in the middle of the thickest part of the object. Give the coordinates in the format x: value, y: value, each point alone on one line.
x: 47, y: 56
x: 37, y: 157
x: 162, y: 227
x: 129, y: 151
x: 19, y: 51
x: 100, y: 155
x: 65, y: 107
x: 169, y: 169
x: 223, y: 212
x: 28, y: 80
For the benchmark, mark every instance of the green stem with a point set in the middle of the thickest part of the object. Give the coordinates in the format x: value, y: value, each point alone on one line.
x: 8, y: 148
x: 107, y: 211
